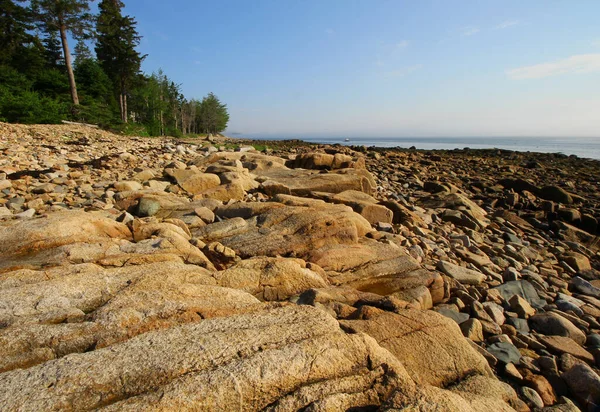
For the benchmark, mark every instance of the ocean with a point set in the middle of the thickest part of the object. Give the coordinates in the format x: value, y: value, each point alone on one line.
x: 582, y: 147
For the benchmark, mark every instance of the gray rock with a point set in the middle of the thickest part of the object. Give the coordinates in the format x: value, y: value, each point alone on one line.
x: 566, y: 306
x: 520, y: 324
x: 523, y: 289
x: 147, y: 207
x: 551, y: 323
x: 505, y: 352
x: 593, y: 340
x: 583, y: 286
x: 458, y: 317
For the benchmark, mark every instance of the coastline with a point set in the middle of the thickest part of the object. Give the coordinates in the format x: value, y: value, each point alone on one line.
x: 413, y: 272
x: 584, y: 147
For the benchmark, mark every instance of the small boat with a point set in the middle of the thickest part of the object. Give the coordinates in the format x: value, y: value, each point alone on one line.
x: 346, y: 140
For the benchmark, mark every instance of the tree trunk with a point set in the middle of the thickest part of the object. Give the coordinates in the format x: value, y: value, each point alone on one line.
x: 123, y: 101
x: 65, y: 45
x: 121, y: 106
x: 125, y: 114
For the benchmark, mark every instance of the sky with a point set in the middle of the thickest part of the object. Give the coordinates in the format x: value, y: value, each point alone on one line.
x: 383, y: 68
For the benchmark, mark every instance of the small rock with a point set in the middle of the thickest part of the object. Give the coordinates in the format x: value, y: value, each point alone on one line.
x: 126, y: 186
x: 521, y: 306
x: 531, y: 397
x: 472, y: 329
x: 463, y: 275
x: 147, y: 207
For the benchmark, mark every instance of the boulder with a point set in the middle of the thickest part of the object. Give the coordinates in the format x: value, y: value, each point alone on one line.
x: 303, y: 225
x: 584, y: 383
x: 563, y: 344
x: 551, y: 323
x: 430, y: 345
x: 364, y: 205
x: 271, y: 278
x: 193, y: 181
x: 577, y: 261
x: 556, y: 194
x: 300, y: 182
x: 384, y: 269
x: 31, y: 242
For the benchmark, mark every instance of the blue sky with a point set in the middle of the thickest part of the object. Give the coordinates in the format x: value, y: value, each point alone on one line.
x: 384, y: 68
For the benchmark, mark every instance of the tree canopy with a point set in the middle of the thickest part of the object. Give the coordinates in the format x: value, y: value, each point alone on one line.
x: 104, y: 84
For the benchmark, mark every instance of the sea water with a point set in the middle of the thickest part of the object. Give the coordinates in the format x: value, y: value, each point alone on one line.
x: 588, y: 147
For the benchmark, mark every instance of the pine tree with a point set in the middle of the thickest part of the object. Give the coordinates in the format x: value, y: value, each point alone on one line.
x: 15, y: 23
x: 53, y: 52
x: 213, y: 114
x: 115, y: 48
x: 82, y: 52
x: 64, y: 16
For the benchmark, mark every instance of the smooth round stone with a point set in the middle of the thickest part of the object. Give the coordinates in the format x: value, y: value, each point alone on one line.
x: 147, y: 207
x: 593, y: 340
x: 531, y: 397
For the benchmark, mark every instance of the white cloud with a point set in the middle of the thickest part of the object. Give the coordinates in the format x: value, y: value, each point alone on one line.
x: 577, y: 64
x: 507, y: 24
x: 404, y: 71
x: 329, y: 30
x: 596, y: 43
x: 402, y: 44
x: 469, y: 30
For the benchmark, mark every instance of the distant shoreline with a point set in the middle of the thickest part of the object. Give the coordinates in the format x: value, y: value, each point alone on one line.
x: 592, y: 153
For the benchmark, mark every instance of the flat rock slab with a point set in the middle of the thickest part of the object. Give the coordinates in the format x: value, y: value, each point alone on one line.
x: 271, y: 279
x: 301, y: 182
x: 562, y: 344
x: 462, y: 274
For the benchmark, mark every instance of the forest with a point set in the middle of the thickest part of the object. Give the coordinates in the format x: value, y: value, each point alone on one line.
x: 44, y: 78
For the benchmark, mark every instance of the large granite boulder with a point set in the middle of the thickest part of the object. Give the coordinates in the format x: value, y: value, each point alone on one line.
x: 298, y: 228
x: 431, y: 346
x: 380, y: 268
x: 301, y: 182
x: 41, y: 241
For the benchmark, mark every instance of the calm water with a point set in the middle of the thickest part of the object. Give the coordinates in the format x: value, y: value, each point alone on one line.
x: 582, y: 147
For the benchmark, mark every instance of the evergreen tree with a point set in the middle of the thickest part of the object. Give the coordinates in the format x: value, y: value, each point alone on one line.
x: 15, y: 22
x: 82, y: 52
x: 213, y: 114
x: 62, y: 16
x: 53, y: 52
x: 115, y: 49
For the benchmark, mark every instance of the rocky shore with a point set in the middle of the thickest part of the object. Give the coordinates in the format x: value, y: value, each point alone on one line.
x: 154, y: 274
